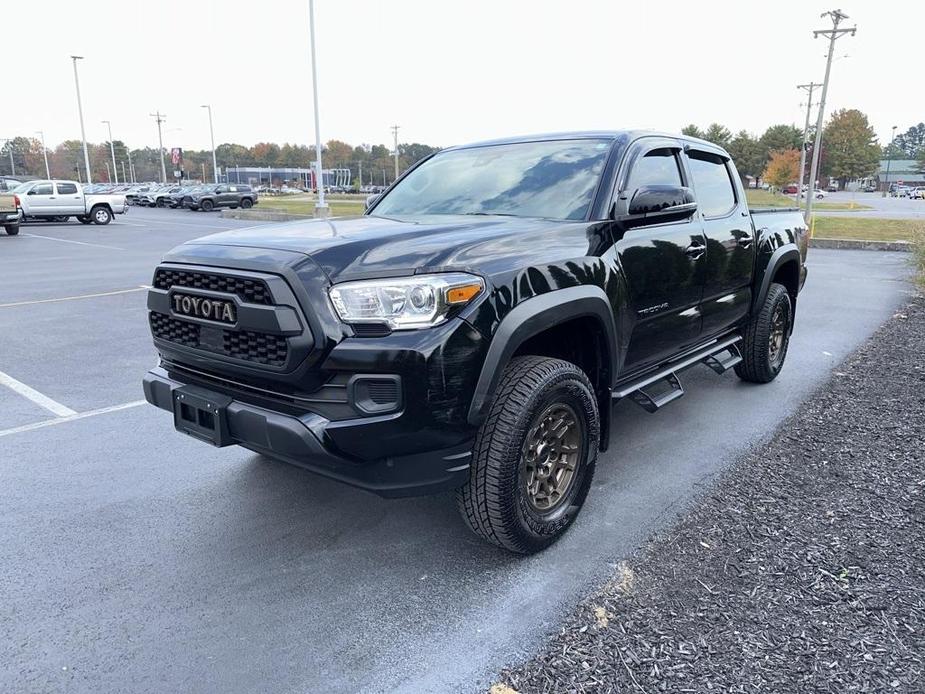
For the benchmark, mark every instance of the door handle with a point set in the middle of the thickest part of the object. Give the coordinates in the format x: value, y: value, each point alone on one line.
x: 746, y: 241
x: 51, y: 197
x: 695, y: 250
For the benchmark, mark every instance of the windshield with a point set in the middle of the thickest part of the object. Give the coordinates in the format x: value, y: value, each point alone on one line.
x: 553, y: 179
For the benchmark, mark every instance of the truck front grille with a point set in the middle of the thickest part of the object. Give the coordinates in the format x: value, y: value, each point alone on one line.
x: 253, y: 291
x: 259, y: 348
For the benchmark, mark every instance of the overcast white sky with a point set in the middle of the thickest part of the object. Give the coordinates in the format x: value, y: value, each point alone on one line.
x: 447, y: 72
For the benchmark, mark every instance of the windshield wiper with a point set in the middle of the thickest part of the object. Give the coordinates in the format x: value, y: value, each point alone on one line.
x: 490, y: 214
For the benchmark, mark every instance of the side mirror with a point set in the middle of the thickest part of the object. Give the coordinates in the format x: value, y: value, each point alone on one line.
x: 660, y: 203
x: 371, y: 200
x: 31, y: 192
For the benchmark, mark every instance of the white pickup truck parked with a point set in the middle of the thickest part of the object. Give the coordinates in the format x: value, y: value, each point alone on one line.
x: 60, y: 200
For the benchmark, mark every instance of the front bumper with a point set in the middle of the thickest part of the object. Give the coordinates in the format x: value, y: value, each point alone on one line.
x: 304, y: 441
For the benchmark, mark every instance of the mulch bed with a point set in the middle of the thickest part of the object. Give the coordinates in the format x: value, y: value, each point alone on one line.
x: 801, y: 570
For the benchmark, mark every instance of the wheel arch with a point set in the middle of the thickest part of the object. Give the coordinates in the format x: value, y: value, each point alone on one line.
x: 540, y: 322
x: 784, y: 264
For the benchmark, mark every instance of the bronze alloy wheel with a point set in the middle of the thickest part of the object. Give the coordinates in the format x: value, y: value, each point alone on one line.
x: 777, y: 336
x: 551, y: 454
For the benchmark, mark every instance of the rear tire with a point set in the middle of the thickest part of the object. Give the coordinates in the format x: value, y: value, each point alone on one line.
x: 534, y: 456
x: 767, y: 338
x: 206, y: 205
x: 11, y: 229
x: 101, y: 215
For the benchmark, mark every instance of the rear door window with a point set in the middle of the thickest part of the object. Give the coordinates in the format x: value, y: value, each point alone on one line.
x: 67, y: 188
x: 712, y: 184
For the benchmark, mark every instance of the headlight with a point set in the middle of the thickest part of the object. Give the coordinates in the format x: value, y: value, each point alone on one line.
x: 405, y: 302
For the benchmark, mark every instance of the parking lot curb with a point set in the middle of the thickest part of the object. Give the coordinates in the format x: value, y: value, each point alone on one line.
x: 263, y: 215
x: 903, y: 246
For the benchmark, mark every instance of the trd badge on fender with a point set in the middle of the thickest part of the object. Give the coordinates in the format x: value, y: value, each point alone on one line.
x: 202, y: 307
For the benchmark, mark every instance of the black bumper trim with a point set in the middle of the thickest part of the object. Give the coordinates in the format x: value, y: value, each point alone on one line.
x: 295, y: 440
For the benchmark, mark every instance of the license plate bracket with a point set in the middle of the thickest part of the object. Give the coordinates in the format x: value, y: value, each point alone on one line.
x: 202, y: 414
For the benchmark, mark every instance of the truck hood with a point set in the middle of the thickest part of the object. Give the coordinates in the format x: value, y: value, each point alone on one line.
x: 366, y: 246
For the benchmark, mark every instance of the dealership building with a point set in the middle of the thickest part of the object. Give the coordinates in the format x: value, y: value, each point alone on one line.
x: 902, y: 172
x: 277, y: 176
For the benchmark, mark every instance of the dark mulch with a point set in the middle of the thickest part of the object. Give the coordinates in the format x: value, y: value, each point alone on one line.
x: 802, y: 570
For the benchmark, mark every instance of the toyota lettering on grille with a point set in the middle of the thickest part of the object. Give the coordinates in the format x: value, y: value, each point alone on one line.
x: 218, y: 310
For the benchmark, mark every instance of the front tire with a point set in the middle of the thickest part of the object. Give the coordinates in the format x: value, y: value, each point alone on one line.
x: 101, y: 215
x: 246, y: 203
x: 206, y: 205
x: 767, y: 338
x: 534, y: 456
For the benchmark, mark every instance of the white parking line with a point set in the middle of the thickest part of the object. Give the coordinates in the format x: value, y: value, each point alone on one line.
x: 52, y: 406
x: 70, y: 418
x: 139, y: 288
x: 79, y: 243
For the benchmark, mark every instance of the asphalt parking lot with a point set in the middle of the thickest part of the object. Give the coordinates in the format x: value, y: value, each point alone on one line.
x: 134, y: 558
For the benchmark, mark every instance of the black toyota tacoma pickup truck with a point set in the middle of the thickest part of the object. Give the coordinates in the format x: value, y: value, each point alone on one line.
x: 472, y: 329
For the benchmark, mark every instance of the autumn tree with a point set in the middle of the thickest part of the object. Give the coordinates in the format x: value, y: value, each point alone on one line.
x: 850, y: 145
x: 783, y: 167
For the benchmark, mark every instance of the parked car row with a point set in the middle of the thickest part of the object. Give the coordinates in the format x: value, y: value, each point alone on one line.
x: 913, y: 192
x: 193, y: 197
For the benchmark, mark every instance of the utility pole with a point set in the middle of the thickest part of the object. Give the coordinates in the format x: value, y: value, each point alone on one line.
x: 112, y: 151
x: 321, y: 208
x: 395, y: 134
x: 108, y: 172
x: 204, y: 173
x: 41, y: 133
x: 361, y: 173
x: 80, y: 112
x: 160, y: 118
x: 889, y: 160
x: 833, y: 34
x: 809, y: 106
x: 131, y: 169
x: 124, y: 179
x: 212, y: 139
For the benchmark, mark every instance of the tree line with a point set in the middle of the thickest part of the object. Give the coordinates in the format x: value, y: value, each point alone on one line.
x: 66, y: 160
x: 849, y: 149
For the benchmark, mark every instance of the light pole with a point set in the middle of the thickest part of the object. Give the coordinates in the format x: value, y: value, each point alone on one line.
x: 212, y: 138
x: 108, y: 172
x: 80, y: 112
x: 124, y: 178
x: 131, y: 169
x: 160, y: 118
x: 112, y: 150
x: 809, y: 106
x: 9, y: 146
x: 41, y: 133
x: 833, y: 35
x: 321, y: 208
x: 889, y: 160
x: 395, y: 134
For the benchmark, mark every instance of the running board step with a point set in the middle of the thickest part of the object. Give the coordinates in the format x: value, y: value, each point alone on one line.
x: 721, y: 362
x: 719, y: 356
x: 653, y: 403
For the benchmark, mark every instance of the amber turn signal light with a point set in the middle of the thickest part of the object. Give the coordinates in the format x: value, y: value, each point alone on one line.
x: 463, y: 294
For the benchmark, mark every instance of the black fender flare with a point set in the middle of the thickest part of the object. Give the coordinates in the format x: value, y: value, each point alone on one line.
x: 530, y: 318
x: 782, y: 255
